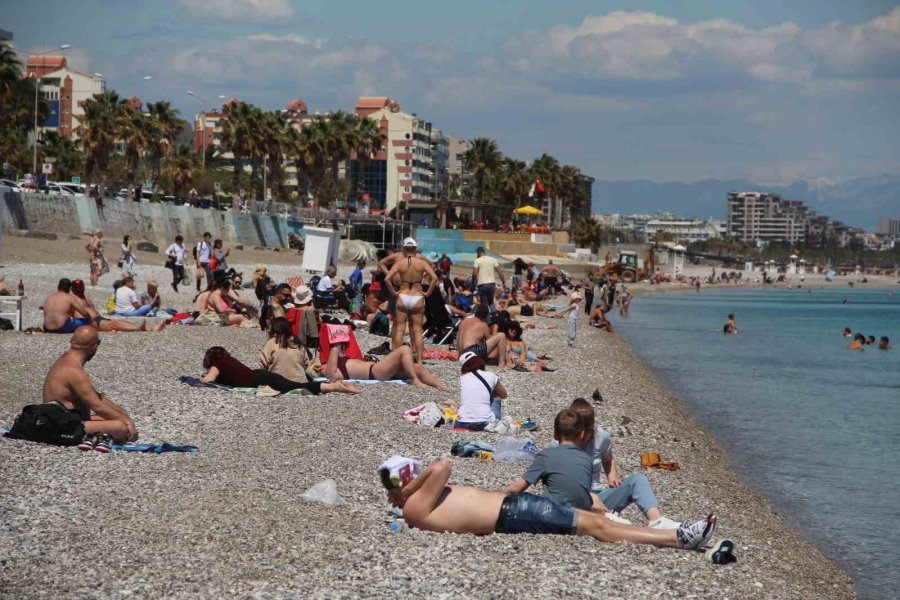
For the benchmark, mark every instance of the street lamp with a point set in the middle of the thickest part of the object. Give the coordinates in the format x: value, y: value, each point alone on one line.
x: 203, y: 105
x: 37, y: 87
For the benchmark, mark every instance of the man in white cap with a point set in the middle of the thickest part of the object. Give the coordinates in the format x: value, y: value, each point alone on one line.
x: 410, y: 269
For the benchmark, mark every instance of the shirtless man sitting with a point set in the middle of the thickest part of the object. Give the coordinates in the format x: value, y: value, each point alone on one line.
x: 61, y: 308
x: 430, y: 504
x: 410, y: 297
x: 73, y: 412
x: 104, y: 324
x: 475, y: 336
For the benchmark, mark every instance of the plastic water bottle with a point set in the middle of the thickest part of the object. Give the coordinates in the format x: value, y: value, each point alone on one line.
x: 399, y: 527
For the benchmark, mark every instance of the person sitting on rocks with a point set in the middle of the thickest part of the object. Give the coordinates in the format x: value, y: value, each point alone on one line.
x: 108, y: 325
x: 61, y: 308
x: 280, y: 299
x: 620, y: 493
x: 225, y: 369
x: 598, y: 318
x: 283, y: 353
x: 127, y: 303
x: 480, y: 394
x: 73, y: 412
x: 217, y: 302
x: 430, y: 504
x: 398, y: 363
x: 475, y: 336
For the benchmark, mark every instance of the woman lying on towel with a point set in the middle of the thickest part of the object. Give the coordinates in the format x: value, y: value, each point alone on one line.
x: 224, y: 369
x: 398, y: 364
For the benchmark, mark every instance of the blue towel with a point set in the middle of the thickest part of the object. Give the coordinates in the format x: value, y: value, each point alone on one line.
x: 155, y: 448
x: 145, y: 448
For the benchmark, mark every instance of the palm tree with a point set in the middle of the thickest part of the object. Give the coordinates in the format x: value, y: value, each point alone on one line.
x: 590, y: 233
x: 572, y: 192
x: 273, y: 141
x: 180, y: 168
x: 238, y: 135
x: 97, y: 132
x: 367, y: 142
x: 482, y: 159
x: 164, y: 126
x: 515, y: 181
x: 136, y: 134
x: 546, y: 168
x: 10, y: 68
x: 66, y: 154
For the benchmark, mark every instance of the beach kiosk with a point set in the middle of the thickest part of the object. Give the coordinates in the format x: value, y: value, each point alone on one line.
x: 678, y: 260
x: 792, y: 264
x: 322, y: 248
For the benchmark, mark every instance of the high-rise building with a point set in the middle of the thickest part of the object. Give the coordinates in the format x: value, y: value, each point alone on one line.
x: 758, y: 217
x: 64, y: 90
x: 404, y: 170
x: 889, y: 226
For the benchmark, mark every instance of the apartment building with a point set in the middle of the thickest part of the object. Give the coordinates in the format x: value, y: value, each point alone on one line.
x: 755, y: 217
x: 64, y: 90
x: 889, y: 226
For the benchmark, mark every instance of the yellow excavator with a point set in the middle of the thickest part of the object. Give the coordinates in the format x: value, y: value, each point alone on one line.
x: 626, y: 266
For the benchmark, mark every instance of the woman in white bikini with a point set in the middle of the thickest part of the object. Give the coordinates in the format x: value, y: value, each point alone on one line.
x: 411, y: 269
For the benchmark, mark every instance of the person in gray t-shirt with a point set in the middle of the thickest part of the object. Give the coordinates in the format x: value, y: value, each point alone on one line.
x: 564, y: 470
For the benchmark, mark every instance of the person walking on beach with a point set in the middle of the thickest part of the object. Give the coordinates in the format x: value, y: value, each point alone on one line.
x: 126, y: 259
x: 202, y: 254
x: 73, y: 412
x: 486, y: 271
x: 219, y: 259
x: 96, y: 260
x: 176, y: 253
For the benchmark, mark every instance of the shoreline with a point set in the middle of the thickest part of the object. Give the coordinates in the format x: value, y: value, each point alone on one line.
x: 227, y: 521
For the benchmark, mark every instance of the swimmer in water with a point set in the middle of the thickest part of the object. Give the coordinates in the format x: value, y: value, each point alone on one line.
x: 847, y: 332
x: 858, y: 343
x: 870, y: 341
x: 730, y: 327
x: 885, y: 343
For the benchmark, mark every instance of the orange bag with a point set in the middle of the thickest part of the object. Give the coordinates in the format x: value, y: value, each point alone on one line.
x: 651, y: 460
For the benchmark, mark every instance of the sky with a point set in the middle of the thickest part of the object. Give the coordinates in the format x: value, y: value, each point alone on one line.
x: 770, y: 90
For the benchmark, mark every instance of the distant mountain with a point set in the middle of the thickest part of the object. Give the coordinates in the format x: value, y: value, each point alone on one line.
x: 858, y: 202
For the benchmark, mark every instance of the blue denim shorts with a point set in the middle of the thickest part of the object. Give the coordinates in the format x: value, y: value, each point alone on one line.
x: 527, y: 513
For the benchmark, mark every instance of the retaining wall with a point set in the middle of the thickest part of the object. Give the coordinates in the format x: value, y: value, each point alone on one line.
x: 155, y: 222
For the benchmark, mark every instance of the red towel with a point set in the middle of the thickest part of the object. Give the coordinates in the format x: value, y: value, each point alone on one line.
x: 293, y: 316
x: 351, y: 351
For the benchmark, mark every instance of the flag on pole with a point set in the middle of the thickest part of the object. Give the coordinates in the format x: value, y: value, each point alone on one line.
x: 536, y: 186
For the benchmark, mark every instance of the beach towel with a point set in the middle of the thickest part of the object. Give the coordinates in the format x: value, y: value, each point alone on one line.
x: 260, y: 391
x: 352, y: 349
x: 439, y: 354
x: 142, y: 448
x: 367, y: 381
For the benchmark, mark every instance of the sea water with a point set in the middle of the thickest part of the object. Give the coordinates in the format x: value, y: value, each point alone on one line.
x: 812, y: 426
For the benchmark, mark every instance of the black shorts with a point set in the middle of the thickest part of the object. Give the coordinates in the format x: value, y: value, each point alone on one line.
x: 527, y: 513
x: 49, y: 423
x: 480, y: 350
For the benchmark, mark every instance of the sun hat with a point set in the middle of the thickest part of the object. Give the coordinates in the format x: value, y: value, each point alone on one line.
x: 466, y: 357
x: 303, y: 295
x: 410, y: 243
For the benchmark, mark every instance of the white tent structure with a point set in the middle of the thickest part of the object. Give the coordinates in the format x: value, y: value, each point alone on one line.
x: 678, y: 260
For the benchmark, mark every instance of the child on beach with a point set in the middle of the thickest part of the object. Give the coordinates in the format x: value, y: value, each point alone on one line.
x: 572, y: 320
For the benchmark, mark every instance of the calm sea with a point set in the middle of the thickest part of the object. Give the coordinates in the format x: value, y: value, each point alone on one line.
x: 809, y: 424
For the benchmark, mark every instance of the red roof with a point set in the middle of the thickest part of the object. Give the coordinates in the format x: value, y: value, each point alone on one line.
x: 57, y: 62
x: 376, y: 103
x: 297, y: 105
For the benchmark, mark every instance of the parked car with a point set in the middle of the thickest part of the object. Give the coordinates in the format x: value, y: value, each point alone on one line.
x: 76, y: 189
x: 10, y: 184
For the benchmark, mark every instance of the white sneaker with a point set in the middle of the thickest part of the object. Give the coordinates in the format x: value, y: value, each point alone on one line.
x: 693, y: 535
x: 665, y: 523
x: 615, y: 518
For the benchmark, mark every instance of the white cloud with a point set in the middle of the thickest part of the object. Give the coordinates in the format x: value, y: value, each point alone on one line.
x: 290, y: 38
x: 645, y: 47
x: 240, y: 10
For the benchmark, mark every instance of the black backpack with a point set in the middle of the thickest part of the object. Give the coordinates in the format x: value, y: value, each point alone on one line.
x: 49, y: 423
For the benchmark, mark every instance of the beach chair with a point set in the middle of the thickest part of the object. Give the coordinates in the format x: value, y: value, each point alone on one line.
x: 440, y: 323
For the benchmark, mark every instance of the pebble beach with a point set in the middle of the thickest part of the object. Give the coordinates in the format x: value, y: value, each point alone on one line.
x: 228, y: 521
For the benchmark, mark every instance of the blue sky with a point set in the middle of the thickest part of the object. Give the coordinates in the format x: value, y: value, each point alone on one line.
x: 768, y: 90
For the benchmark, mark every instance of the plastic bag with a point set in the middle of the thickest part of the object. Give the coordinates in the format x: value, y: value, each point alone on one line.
x: 324, y: 492
x: 515, y: 449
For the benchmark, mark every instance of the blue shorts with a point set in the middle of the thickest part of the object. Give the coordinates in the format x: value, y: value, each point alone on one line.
x: 70, y: 326
x: 527, y: 513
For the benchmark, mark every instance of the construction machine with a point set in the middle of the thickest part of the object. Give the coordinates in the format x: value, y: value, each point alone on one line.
x: 627, y: 268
